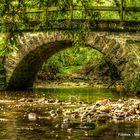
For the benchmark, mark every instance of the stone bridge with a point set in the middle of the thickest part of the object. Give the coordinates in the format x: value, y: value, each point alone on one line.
x: 22, y: 65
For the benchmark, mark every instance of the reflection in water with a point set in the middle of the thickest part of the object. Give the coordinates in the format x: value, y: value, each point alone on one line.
x: 24, y: 116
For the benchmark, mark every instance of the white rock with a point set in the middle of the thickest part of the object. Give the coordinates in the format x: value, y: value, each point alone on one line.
x: 32, y: 116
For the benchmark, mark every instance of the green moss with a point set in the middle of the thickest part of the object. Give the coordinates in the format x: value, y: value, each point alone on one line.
x: 133, y: 85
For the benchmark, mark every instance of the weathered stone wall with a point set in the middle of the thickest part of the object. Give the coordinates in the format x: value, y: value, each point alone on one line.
x: 23, y: 64
x: 2, y: 74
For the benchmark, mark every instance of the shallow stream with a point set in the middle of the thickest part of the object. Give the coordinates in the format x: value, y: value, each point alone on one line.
x: 37, y: 116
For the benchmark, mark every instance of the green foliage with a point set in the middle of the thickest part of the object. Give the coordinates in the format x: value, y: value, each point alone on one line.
x: 133, y: 85
x: 8, y: 44
x: 16, y: 15
x: 69, y: 60
x: 76, y: 56
x: 24, y: 11
x: 50, y: 70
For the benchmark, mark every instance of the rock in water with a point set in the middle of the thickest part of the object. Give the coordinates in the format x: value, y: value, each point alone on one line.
x: 32, y: 116
x: 87, y: 126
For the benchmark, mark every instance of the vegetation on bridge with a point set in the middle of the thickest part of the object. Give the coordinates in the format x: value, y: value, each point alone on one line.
x: 41, y: 15
x: 38, y: 15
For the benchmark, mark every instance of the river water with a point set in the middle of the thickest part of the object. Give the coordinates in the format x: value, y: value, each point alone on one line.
x: 37, y: 116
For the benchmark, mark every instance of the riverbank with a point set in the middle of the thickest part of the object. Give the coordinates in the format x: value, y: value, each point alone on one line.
x: 85, y: 77
x: 70, y: 83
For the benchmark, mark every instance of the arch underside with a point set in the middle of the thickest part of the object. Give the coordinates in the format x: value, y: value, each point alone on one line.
x: 23, y: 72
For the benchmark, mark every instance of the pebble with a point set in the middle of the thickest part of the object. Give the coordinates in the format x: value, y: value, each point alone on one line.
x: 102, y: 111
x: 87, y: 126
x: 32, y: 116
x: 30, y: 100
x: 41, y: 100
x: 105, y: 110
x: 66, y: 120
x: 22, y: 100
x: 69, y: 130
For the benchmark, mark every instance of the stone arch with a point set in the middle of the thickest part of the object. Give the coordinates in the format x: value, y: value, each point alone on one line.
x: 23, y: 64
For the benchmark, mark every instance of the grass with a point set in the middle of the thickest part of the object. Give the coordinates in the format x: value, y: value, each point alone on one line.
x: 69, y: 69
